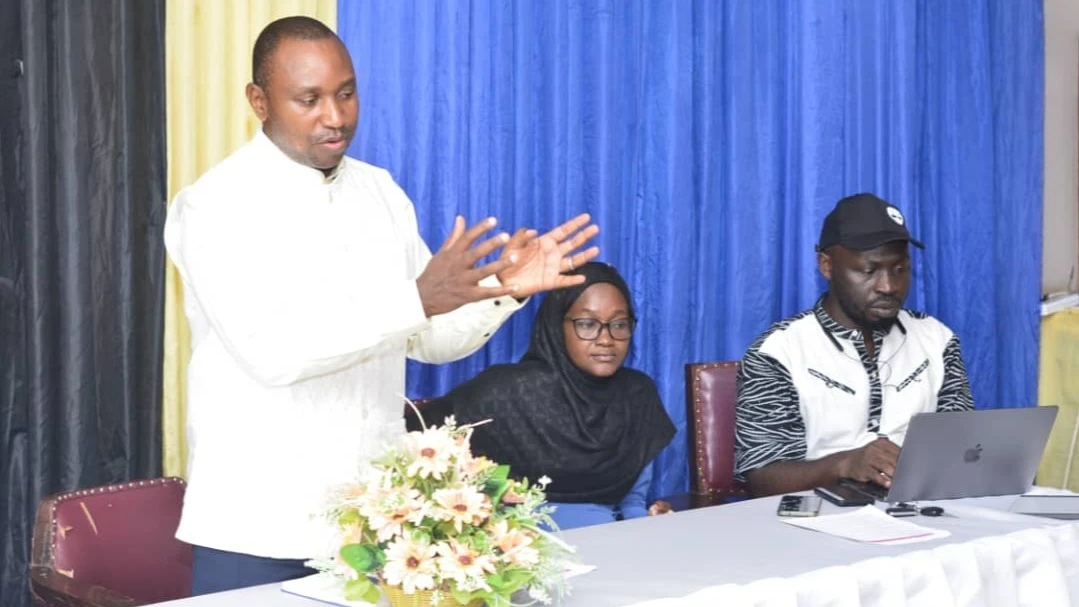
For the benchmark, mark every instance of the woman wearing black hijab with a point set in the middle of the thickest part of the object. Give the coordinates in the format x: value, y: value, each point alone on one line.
x: 569, y: 409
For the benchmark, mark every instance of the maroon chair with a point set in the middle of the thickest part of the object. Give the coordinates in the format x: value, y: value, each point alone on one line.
x: 111, y: 546
x: 711, y: 393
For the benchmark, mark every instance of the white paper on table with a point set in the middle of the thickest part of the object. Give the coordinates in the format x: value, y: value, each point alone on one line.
x: 576, y: 569
x: 868, y: 524
x: 327, y: 588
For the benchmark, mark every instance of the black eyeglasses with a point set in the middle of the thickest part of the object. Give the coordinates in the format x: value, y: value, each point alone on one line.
x: 589, y: 329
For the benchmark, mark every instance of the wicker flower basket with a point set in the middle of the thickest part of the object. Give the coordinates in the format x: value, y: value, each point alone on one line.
x: 421, y: 598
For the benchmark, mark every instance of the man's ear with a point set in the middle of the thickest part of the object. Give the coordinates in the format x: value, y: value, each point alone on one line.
x: 256, y: 96
x: 824, y: 265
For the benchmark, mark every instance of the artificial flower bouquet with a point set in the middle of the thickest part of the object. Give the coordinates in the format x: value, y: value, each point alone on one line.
x: 433, y: 523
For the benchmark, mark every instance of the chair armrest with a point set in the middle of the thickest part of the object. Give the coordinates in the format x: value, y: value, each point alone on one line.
x: 692, y: 501
x: 50, y: 587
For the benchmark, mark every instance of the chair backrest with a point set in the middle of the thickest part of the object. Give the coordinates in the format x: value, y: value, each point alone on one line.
x: 117, y: 537
x: 711, y: 392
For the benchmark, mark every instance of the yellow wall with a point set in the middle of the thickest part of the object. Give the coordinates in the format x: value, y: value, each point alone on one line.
x: 1058, y: 378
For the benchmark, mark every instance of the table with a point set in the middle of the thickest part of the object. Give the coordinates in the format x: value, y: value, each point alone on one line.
x: 739, y: 554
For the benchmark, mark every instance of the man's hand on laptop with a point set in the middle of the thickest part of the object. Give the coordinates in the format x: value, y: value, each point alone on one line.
x: 873, y: 463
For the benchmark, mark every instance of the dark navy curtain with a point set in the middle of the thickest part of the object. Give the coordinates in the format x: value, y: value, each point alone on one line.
x: 82, y: 262
x: 709, y: 138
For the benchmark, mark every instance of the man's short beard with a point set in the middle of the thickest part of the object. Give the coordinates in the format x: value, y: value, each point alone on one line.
x: 884, y: 324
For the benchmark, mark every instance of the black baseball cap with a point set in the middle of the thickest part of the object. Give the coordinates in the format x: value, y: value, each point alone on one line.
x: 862, y: 222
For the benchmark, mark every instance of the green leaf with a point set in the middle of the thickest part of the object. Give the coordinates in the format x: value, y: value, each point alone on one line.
x: 362, y: 558
x: 514, y: 579
x: 496, y: 582
x: 461, y: 596
x: 349, y: 517
x: 497, y: 482
x: 361, y: 589
x: 496, y: 489
x: 372, y: 594
x: 500, y: 473
x: 443, y: 530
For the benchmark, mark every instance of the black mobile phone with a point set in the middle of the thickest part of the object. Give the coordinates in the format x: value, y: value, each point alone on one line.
x: 901, y: 511
x: 873, y: 490
x: 841, y: 495
x: 798, y: 505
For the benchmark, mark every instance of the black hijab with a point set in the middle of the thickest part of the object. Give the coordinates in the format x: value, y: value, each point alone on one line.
x: 592, y: 436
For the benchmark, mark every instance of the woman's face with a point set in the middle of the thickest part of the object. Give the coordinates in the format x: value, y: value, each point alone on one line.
x: 599, y: 355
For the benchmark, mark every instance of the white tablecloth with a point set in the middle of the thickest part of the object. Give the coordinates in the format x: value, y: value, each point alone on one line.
x: 739, y: 554
x: 1030, y: 567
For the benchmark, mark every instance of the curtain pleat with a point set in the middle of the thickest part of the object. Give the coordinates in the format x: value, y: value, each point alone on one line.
x: 208, y: 63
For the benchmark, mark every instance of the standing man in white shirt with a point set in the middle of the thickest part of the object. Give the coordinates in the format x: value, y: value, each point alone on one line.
x: 306, y: 287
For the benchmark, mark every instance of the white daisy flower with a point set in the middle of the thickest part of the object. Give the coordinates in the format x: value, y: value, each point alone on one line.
x: 464, y: 565
x: 514, y: 544
x: 463, y: 506
x: 387, y: 510
x: 431, y: 452
x: 410, y: 565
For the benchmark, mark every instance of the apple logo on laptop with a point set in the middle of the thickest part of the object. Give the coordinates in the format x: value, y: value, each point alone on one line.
x: 973, y: 455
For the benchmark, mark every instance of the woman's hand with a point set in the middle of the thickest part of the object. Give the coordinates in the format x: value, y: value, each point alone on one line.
x: 659, y: 507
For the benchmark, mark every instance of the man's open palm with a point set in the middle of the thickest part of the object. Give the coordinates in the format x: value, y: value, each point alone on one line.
x: 538, y: 262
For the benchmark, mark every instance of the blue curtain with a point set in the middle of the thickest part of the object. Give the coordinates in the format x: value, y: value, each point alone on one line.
x: 708, y: 139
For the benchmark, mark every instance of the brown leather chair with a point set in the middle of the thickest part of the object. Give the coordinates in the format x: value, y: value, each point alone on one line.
x: 711, y: 392
x: 111, y: 546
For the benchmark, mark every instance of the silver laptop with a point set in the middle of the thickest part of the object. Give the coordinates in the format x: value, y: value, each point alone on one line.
x: 1064, y: 507
x: 969, y: 454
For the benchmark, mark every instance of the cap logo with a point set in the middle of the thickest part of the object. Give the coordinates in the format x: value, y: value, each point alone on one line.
x: 895, y: 215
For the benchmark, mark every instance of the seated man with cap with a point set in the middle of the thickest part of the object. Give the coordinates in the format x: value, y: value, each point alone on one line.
x: 828, y: 393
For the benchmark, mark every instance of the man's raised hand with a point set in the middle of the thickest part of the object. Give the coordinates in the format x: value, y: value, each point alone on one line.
x: 451, y: 279
x: 536, y: 263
